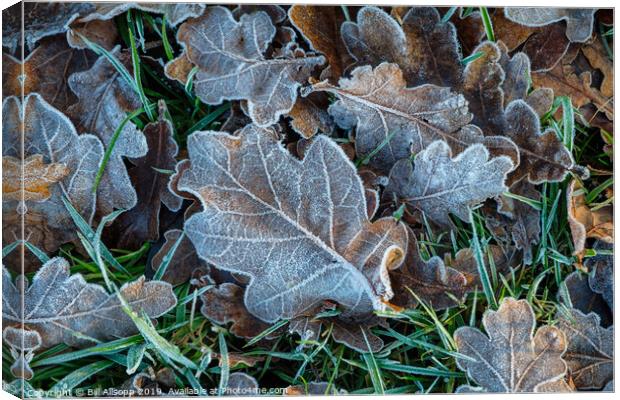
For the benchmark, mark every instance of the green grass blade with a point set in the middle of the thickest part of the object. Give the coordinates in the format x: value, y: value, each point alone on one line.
x: 482, y: 270
x: 161, y: 270
x: 134, y: 357
x: 486, y: 21
x: 69, y: 382
x: 224, y: 364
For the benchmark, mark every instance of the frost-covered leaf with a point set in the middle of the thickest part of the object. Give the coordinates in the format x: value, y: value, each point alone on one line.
x: 544, y: 158
x: 275, y: 12
x: 233, y: 65
x: 309, y: 115
x: 22, y: 345
x: 224, y: 303
x: 546, y: 47
x: 585, y: 223
x: 184, y: 261
x: 64, y: 308
x: 104, y: 99
x: 103, y: 33
x: 298, y: 229
x: 601, y: 268
x: 575, y: 292
x: 424, y: 47
x: 464, y: 261
x: 241, y: 384
x: 516, y: 82
x: 394, y: 121
x: 40, y: 19
x: 175, y: 13
x: 357, y: 334
x: 141, y: 223
x: 431, y: 281
x: 47, y: 70
x: 590, y: 351
x: 49, y: 134
x: 514, y: 221
x: 511, y: 358
x: 579, y: 21
x: 30, y: 180
x: 440, y: 184
x: 541, y: 100
x: 320, y: 26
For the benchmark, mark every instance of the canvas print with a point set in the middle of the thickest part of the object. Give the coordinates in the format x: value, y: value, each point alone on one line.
x: 247, y: 199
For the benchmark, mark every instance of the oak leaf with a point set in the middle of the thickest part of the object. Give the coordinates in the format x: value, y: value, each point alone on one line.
x: 440, y: 184
x: 141, y: 224
x: 48, y: 133
x: 31, y: 179
x: 234, y: 66
x: 546, y: 47
x: 590, y: 352
x: 184, y: 261
x: 262, y: 206
x: 393, y: 121
x: 511, y: 358
x: 103, y: 33
x: 39, y: 20
x: 62, y: 308
x: 585, y: 223
x: 579, y: 21
x: 276, y: 13
x: 601, y: 277
x: 175, y: 13
x: 104, y: 99
x: 320, y: 27
x: 47, y: 70
x: 575, y: 292
x: 241, y: 384
x: 309, y: 115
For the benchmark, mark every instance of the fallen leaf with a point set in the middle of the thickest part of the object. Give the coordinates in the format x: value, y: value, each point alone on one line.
x: 514, y: 221
x: 440, y: 184
x: 585, y: 223
x: 357, y: 334
x: 598, y: 58
x: 141, y: 224
x: 424, y: 47
x: 464, y: 261
x: 48, y: 133
x: 541, y: 100
x: 579, y: 21
x: 22, y: 346
x: 224, y: 303
x: 470, y: 30
x: 149, y: 383
x: 269, y: 85
x: 47, y: 70
x: 252, y: 193
x: 241, y: 384
x: 62, y: 308
x: 437, y: 285
x: 575, y: 292
x: 183, y: 262
x: 511, y: 358
x: 320, y: 27
x: 393, y: 121
x: 307, y: 328
x: 103, y: 33
x: 510, y: 33
x: 39, y: 20
x: 175, y: 13
x: 309, y: 115
x: 104, y: 99
x: 601, y: 277
x: 590, y: 351
x: 31, y: 179
x: 516, y: 82
x: 179, y: 68
x: 546, y: 47
x: 275, y: 12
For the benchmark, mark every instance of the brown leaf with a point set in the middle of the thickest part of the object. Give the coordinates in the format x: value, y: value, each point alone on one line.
x: 579, y: 21
x: 464, y: 261
x: 541, y: 100
x: 575, y: 292
x: 590, y: 352
x: 268, y: 211
x: 598, y: 58
x: 224, y: 303
x: 357, y: 334
x: 103, y: 33
x: 104, y: 99
x: 514, y: 221
x: 320, y: 26
x: 511, y: 358
x: 47, y: 132
x: 516, y: 82
x: 141, y: 224
x: 601, y: 266
x: 184, y: 261
x: 393, y: 121
x: 269, y: 85
x: 546, y: 47
x: 469, y: 31
x: 309, y: 115
x: 313, y: 388
x: 510, y: 33
x: 440, y: 184
x: 175, y: 13
x: 431, y: 281
x: 47, y: 70
x: 39, y: 21
x: 276, y: 13
x: 30, y: 180
x: 179, y: 68
x: 585, y: 223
